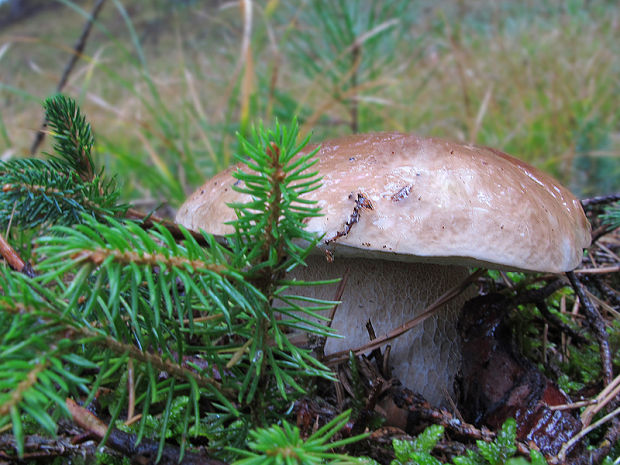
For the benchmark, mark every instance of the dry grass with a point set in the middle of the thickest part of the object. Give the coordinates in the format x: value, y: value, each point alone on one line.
x: 538, y: 82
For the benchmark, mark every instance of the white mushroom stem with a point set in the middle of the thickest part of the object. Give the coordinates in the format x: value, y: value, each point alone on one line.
x: 389, y: 293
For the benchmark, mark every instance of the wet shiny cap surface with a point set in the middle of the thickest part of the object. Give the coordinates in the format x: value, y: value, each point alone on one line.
x: 405, y: 198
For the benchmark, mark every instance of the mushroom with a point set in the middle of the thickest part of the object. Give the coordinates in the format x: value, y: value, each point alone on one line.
x: 403, y: 218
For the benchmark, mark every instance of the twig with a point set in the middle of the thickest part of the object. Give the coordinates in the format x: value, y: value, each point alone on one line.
x: 154, y: 359
x: 610, y: 253
x: 558, y: 323
x: 376, y: 353
x: 406, y: 399
x: 148, y: 221
x: 597, y: 325
x: 361, y: 202
x: 125, y: 443
x: 601, y: 231
x: 603, y: 199
x: 610, y: 294
x: 39, y: 448
x: 601, y: 270
x: 14, y: 260
x: 131, y: 390
x: 538, y: 295
x: 574, y: 405
x: 341, y: 287
x: 603, y: 448
x: 570, y: 443
x: 602, y: 399
x: 603, y: 305
x: 339, y: 357
x: 77, y: 53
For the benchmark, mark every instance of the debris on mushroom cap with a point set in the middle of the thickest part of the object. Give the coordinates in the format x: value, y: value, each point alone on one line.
x: 406, y: 198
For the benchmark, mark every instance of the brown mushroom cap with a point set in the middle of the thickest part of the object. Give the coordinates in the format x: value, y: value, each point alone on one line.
x: 429, y: 200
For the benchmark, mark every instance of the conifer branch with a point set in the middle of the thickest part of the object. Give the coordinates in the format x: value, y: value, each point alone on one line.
x: 60, y: 189
x: 19, y: 391
x: 13, y: 259
x: 611, y: 217
x: 268, y: 230
x: 50, y: 317
x: 166, y: 366
x: 110, y: 289
x: 72, y: 135
x: 98, y: 256
x: 148, y: 221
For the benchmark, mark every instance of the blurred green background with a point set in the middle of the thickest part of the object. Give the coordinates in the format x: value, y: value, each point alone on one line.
x: 166, y: 84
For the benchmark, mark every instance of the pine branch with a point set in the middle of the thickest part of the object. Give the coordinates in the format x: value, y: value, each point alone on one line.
x: 44, y: 320
x: 611, y: 217
x: 13, y: 259
x: 284, y: 444
x: 273, y: 221
x: 73, y: 139
x: 269, y: 231
x: 38, y: 193
x: 197, y: 317
x: 23, y: 386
